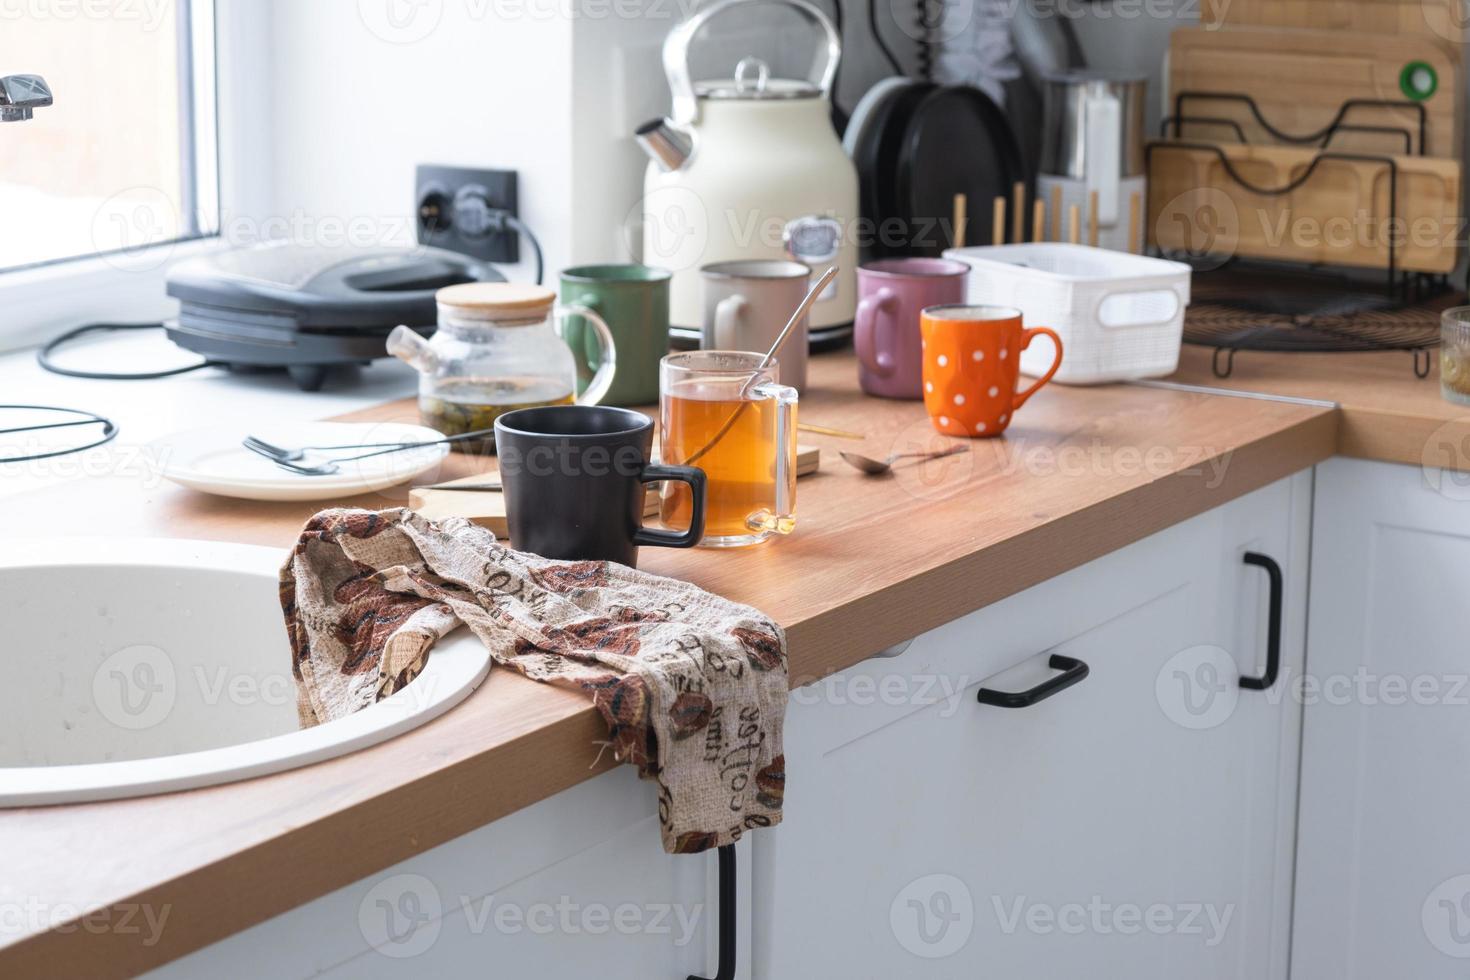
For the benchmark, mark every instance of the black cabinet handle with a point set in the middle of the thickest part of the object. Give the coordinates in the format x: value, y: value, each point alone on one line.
x: 1273, y: 629
x: 1072, y: 671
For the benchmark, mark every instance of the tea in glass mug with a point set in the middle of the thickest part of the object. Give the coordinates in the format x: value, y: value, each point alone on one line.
x: 739, y: 426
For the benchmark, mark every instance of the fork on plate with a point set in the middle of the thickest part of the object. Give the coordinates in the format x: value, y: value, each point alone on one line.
x: 290, y: 459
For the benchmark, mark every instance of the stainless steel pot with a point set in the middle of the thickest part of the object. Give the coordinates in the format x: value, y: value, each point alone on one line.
x: 1091, y: 119
x: 1092, y: 152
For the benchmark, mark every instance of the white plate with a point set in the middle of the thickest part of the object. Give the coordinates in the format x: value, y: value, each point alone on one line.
x: 212, y: 460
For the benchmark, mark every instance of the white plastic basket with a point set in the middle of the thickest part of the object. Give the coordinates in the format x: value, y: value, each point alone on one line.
x: 1120, y: 316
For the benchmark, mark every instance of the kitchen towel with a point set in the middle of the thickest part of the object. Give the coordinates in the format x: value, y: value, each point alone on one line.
x: 692, y: 686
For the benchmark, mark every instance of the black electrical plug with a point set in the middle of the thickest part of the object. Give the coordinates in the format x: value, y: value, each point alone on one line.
x: 475, y: 217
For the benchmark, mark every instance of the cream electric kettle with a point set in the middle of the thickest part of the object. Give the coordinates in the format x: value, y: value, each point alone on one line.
x: 750, y: 168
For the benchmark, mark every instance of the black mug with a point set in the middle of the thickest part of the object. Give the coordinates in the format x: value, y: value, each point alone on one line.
x: 573, y: 478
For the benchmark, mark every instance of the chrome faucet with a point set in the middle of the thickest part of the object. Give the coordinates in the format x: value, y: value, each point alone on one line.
x: 20, y: 95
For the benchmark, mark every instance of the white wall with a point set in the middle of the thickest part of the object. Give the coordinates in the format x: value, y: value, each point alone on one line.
x: 1135, y: 43
x: 552, y: 88
x: 617, y: 83
x: 359, y: 98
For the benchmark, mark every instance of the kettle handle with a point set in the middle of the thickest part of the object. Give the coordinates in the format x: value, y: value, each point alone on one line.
x: 676, y: 52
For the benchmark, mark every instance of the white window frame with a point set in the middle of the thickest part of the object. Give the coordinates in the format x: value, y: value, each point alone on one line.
x: 227, y: 45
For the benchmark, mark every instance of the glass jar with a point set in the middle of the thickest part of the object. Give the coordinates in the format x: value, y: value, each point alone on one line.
x: 499, y: 347
x: 1454, y: 355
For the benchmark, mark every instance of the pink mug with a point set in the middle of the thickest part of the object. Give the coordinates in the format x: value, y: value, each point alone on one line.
x: 886, y: 331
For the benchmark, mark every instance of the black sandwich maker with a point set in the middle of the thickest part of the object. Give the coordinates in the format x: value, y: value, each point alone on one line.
x: 309, y: 308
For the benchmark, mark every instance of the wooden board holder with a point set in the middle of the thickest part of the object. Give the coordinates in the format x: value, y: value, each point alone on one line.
x: 1426, y: 203
x: 1299, y: 82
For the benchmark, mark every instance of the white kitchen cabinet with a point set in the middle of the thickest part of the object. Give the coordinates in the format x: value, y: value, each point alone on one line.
x: 577, y: 885
x: 1383, y: 877
x: 1139, y: 823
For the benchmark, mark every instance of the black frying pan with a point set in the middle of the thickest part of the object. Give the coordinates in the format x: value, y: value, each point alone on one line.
x: 957, y: 141
x: 876, y: 152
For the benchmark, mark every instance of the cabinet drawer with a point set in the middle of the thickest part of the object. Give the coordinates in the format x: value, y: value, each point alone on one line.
x: 958, y: 839
x: 577, y: 885
x: 1013, y: 637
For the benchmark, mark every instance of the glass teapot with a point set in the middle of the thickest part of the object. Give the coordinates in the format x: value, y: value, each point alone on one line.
x: 498, y: 348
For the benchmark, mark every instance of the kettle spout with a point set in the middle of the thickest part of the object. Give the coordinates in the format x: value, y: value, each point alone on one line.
x: 408, y: 346
x: 667, y: 144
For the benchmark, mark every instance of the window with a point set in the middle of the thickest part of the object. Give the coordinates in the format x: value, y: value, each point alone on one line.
x: 126, y: 157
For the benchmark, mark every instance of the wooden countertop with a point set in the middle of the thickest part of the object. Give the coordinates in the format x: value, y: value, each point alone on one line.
x: 1385, y: 412
x: 1082, y: 472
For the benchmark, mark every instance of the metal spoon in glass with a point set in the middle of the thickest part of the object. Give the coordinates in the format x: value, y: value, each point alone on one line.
x: 801, y: 311
x: 877, y: 467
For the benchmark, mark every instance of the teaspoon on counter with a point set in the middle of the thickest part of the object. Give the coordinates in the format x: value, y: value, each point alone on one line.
x: 877, y: 467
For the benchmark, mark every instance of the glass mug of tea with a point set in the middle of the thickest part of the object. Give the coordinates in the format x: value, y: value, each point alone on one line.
x: 499, y: 347
x: 722, y: 412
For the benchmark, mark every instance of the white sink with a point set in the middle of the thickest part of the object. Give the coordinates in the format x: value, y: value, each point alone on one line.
x: 138, y: 667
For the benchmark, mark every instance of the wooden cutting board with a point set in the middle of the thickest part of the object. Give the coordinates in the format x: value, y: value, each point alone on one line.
x: 1429, y: 18
x: 1195, y: 205
x: 1301, y: 78
x: 488, y: 508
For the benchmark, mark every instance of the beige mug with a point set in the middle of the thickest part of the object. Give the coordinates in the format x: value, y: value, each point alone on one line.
x: 747, y: 303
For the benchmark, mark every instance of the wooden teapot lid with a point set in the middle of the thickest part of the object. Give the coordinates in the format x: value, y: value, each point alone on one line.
x: 496, y: 300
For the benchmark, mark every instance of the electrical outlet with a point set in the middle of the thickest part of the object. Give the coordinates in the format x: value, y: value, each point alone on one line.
x: 454, y: 208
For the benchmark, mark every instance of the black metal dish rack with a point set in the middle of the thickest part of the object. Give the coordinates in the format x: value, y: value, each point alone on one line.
x: 1257, y: 308
x: 1256, y: 305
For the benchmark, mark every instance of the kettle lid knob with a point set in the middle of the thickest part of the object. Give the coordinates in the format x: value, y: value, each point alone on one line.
x: 743, y: 83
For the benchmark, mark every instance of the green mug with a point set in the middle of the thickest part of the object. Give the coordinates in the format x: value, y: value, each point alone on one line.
x: 634, y: 300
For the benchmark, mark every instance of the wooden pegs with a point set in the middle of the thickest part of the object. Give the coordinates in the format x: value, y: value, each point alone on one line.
x: 1074, y: 225
x: 1018, y: 213
x: 1056, y: 212
x: 1038, y: 220
x: 998, y: 222
x: 1092, y: 229
x: 961, y: 218
x: 1135, y: 221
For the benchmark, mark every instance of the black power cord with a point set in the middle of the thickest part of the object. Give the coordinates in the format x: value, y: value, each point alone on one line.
x: 479, y: 218
x: 44, y: 355
x: 840, y: 116
x: 883, y: 47
x: 526, y: 233
x: 929, y: 18
x: 109, y: 430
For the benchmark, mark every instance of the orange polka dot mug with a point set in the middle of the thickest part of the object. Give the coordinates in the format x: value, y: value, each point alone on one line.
x: 972, y: 360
